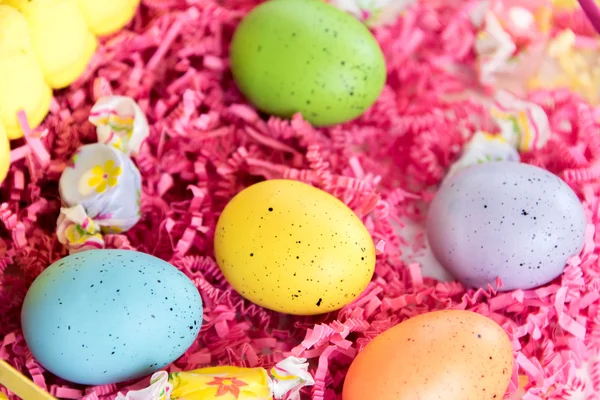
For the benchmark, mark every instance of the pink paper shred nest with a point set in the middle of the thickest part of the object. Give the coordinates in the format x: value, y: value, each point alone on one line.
x: 207, y: 144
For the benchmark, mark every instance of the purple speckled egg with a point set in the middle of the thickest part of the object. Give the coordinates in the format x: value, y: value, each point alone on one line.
x: 505, y: 219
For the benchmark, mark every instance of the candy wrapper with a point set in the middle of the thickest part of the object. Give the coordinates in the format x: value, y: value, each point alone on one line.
x: 101, y: 187
x: 284, y: 381
x: 510, y: 46
x: 484, y: 147
x: 374, y: 12
x: 521, y: 47
x: 524, y: 126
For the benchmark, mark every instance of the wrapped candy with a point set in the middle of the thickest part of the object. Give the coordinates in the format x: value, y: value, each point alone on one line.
x: 284, y: 381
x: 510, y: 45
x: 101, y: 187
x: 521, y: 47
x: 524, y: 126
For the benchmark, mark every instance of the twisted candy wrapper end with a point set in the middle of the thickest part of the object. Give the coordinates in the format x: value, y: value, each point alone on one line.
x: 120, y: 123
x: 289, y: 376
x: 159, y: 389
x: 484, y: 147
x: 286, y: 380
x: 524, y: 126
x: 77, y: 230
x: 101, y: 187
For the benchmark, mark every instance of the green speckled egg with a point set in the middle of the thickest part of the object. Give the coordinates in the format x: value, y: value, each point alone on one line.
x: 307, y: 56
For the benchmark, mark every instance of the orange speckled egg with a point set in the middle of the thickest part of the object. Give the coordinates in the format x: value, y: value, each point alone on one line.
x: 442, y: 355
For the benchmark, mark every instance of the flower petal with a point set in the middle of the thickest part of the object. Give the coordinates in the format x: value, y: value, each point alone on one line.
x: 95, y: 180
x: 101, y: 188
x: 112, y: 181
x: 109, y: 165
x: 98, y: 170
x: 116, y: 172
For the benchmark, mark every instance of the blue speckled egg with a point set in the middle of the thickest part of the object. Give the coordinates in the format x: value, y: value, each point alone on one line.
x: 505, y: 219
x: 107, y: 316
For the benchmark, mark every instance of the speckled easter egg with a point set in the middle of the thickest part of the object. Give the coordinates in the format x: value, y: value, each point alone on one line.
x: 508, y: 220
x: 447, y: 355
x: 292, y: 248
x: 307, y: 56
x: 106, y: 316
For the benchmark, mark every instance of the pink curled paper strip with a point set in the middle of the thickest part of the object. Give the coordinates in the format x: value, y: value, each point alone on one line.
x: 101, y: 187
x: 283, y: 381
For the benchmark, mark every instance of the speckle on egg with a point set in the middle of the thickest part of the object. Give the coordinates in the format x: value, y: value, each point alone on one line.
x: 508, y: 220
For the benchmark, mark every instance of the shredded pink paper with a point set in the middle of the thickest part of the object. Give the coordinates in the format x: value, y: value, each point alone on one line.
x: 206, y: 144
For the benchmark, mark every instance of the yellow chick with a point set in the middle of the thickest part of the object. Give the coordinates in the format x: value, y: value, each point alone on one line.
x: 104, y: 17
x: 21, y: 79
x: 4, y: 156
x: 60, y: 37
x: 47, y: 44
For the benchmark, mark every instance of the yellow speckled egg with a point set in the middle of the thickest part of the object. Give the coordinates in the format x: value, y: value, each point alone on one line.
x: 292, y: 248
x: 442, y: 355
